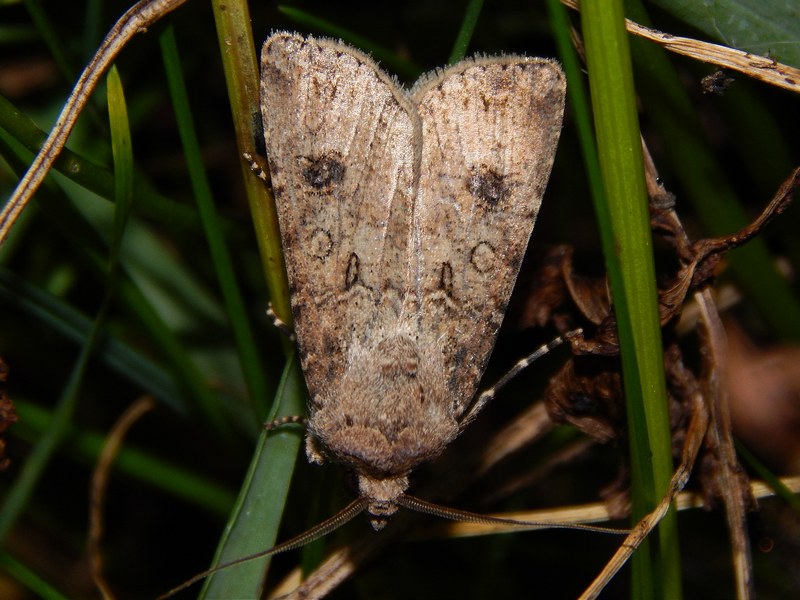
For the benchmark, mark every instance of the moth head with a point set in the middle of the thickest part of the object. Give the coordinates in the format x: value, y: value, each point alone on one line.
x: 382, y: 494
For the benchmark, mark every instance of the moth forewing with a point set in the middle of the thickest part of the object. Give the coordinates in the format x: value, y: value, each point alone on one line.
x: 404, y: 218
x: 490, y: 128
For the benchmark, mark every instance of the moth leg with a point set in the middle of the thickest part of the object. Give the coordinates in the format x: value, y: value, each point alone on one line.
x: 257, y: 166
x: 486, y: 396
x: 314, y: 452
x: 279, y: 324
x: 286, y: 420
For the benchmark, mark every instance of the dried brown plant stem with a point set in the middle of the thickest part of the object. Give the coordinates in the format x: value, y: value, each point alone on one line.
x: 694, y: 440
x: 135, y: 20
x: 99, y: 485
x: 758, y: 67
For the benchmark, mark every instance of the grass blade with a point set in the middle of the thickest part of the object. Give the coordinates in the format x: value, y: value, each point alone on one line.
x: 627, y: 243
x: 254, y: 522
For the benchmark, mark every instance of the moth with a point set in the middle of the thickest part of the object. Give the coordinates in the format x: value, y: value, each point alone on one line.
x: 404, y: 217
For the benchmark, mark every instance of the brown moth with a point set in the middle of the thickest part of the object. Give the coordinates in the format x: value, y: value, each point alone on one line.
x: 404, y: 218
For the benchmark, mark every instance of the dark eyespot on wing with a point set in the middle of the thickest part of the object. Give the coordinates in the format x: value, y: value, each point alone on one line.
x: 488, y: 186
x: 322, y: 172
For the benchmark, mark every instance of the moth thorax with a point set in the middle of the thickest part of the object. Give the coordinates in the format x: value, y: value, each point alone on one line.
x: 382, y: 495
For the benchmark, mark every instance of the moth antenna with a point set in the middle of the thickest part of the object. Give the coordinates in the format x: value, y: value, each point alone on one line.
x: 352, y: 510
x: 522, y: 364
x: 454, y: 514
x: 286, y: 420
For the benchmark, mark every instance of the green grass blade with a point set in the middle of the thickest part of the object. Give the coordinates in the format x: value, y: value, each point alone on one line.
x: 52, y: 312
x: 220, y: 256
x: 471, y: 14
x: 45, y: 29
x: 578, y: 98
x: 46, y: 446
x: 16, y: 501
x: 122, y: 151
x: 85, y: 446
x: 773, y: 481
x: 14, y: 124
x: 254, y: 522
x: 238, y: 52
x: 29, y: 578
x: 629, y: 258
x: 89, y: 249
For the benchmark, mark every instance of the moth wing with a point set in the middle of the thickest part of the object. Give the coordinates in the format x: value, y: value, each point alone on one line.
x: 343, y: 149
x: 490, y: 128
